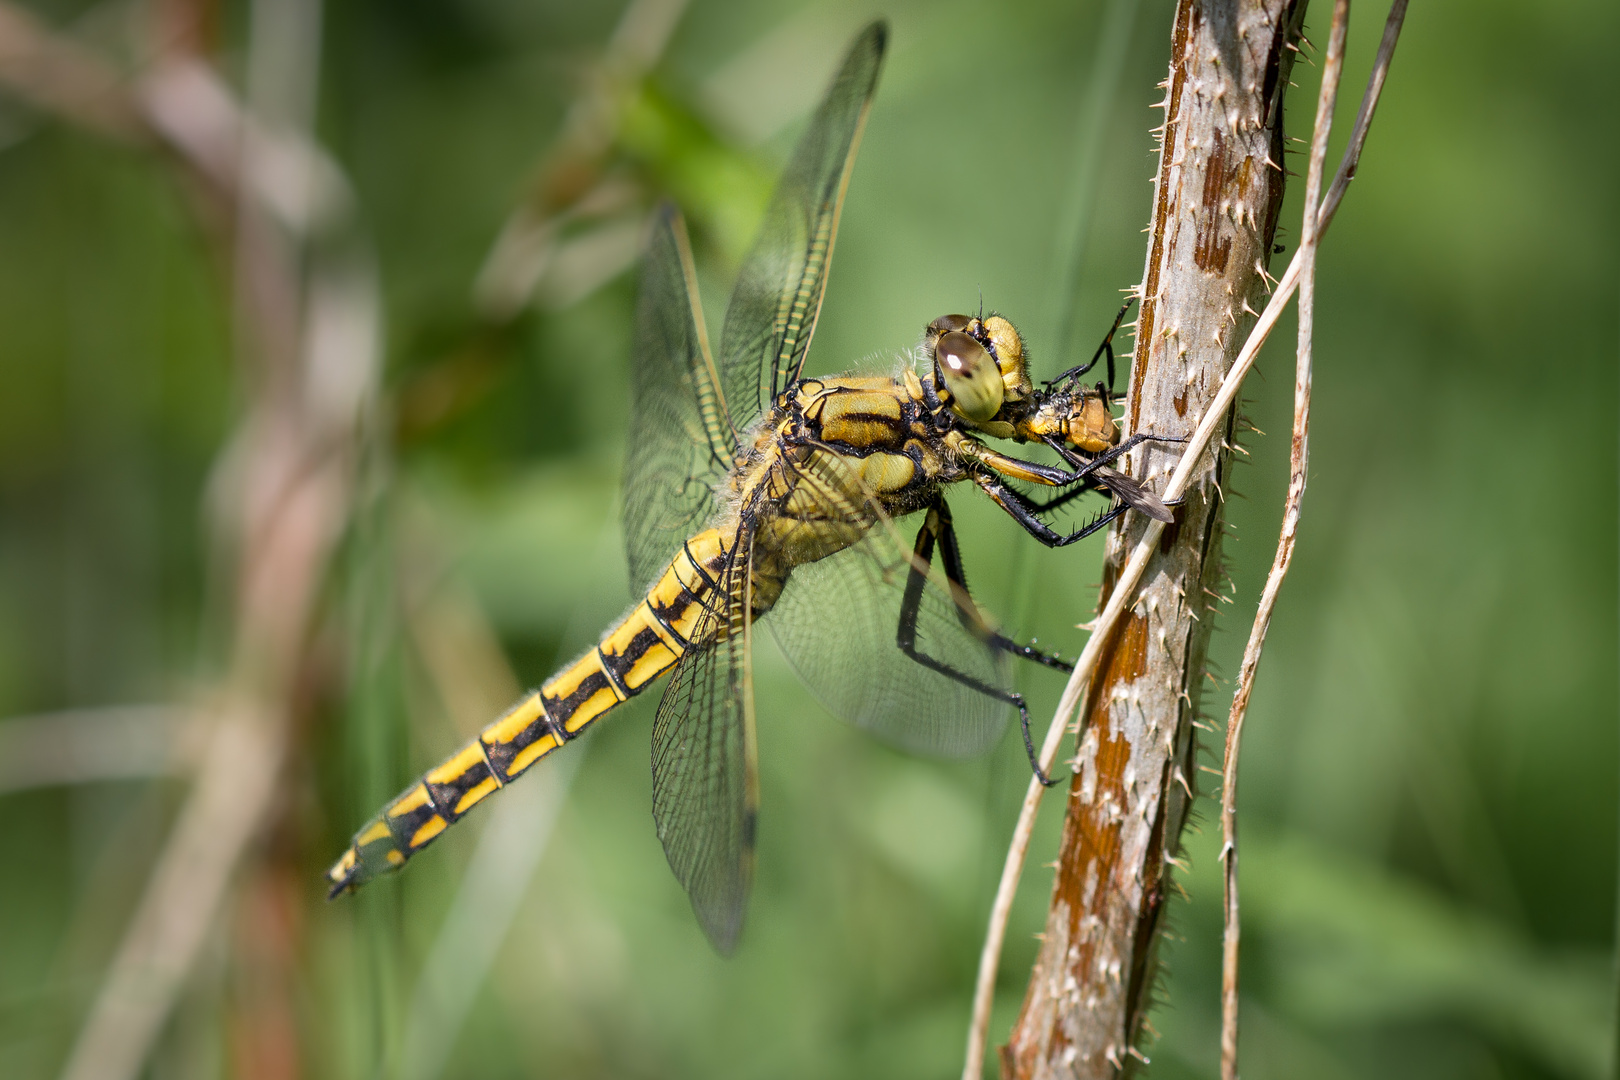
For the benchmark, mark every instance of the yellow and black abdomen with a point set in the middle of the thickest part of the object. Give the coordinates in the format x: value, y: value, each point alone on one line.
x: 632, y: 654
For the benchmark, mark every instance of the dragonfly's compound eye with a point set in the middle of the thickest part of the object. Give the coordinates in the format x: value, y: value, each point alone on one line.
x: 946, y: 323
x: 1009, y: 351
x: 1004, y: 336
x: 971, y: 376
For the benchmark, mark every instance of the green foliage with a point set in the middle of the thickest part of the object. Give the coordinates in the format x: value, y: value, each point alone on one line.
x: 1429, y: 790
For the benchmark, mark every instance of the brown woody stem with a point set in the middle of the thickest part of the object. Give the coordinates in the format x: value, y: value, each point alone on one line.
x: 1058, y: 1060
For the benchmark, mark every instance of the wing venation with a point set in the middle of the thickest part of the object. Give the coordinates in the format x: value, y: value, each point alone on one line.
x: 705, y: 778
x: 681, y: 439
x: 777, y: 300
x: 837, y: 621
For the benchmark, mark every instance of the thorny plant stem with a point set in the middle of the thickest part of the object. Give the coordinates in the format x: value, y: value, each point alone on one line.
x: 1018, y: 847
x: 1299, y: 456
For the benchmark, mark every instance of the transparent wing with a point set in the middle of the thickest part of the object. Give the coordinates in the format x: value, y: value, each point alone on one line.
x: 681, y: 439
x: 837, y: 622
x: 705, y: 785
x: 773, y: 310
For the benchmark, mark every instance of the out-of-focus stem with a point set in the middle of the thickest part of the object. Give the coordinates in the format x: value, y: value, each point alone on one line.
x: 81, y: 746
x: 286, y: 476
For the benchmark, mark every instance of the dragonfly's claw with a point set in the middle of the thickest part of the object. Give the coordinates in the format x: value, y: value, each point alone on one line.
x: 1029, y: 744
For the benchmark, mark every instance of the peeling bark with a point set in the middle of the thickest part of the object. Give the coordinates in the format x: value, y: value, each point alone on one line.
x: 1217, y: 194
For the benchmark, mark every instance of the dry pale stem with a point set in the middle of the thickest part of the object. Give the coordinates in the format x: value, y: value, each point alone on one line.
x: 121, y: 742
x: 1298, y: 459
x: 1312, y: 226
x: 63, y: 77
x: 573, y: 180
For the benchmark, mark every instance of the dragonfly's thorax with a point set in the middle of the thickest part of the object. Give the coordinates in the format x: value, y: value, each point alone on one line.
x: 832, y: 453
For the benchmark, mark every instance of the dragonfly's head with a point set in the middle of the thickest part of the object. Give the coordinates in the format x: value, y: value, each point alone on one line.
x: 979, y: 364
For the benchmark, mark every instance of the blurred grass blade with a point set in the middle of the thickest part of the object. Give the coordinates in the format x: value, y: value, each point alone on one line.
x: 78, y: 746
x: 1074, y: 229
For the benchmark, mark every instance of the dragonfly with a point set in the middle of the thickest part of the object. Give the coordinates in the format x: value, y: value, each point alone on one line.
x: 757, y: 496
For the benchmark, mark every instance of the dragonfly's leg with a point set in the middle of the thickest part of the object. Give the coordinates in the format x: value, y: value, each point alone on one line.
x: 937, y: 526
x: 1084, y: 466
x: 1074, y: 460
x: 951, y: 556
x: 1023, y: 511
x: 1031, y: 472
x: 1107, y: 347
x: 1108, y: 457
x: 1057, y: 501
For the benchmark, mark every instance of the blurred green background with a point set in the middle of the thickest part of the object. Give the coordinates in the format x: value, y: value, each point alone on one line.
x: 1429, y: 786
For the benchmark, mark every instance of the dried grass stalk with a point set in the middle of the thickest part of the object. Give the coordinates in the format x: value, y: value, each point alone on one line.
x: 1314, y: 223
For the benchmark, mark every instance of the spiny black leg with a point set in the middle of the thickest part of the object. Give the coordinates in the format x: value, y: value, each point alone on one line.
x: 1029, y: 744
x: 1083, y: 465
x: 1072, y: 457
x: 1057, y: 501
x: 1017, y: 499
x: 1023, y: 511
x: 1106, y: 348
x: 1111, y: 455
x: 938, y: 525
x: 950, y: 555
